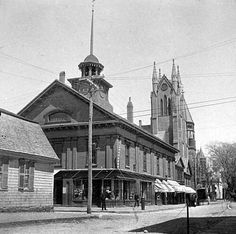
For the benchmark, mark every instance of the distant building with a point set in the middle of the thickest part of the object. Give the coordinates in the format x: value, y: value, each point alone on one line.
x: 171, y: 121
x: 26, y: 165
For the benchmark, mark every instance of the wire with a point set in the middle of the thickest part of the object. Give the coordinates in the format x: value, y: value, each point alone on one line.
x: 25, y: 77
x: 193, y: 103
x: 26, y: 63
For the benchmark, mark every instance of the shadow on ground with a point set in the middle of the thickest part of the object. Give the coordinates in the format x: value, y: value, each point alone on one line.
x: 222, y: 225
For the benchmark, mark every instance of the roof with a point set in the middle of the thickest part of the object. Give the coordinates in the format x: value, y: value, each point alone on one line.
x: 109, y: 113
x: 20, y: 137
x: 91, y: 58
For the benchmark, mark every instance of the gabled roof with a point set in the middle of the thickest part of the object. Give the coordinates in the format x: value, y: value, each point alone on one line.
x: 22, y: 138
x: 164, y: 78
x: 107, y: 112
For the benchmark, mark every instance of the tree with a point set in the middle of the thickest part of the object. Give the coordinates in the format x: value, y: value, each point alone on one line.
x: 223, y: 156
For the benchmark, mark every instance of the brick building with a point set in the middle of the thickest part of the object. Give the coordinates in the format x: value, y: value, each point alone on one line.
x: 127, y: 158
x: 26, y: 165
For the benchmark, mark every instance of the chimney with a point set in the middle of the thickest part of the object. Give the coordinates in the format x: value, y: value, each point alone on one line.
x: 62, y: 77
x: 140, y: 123
x: 130, y: 111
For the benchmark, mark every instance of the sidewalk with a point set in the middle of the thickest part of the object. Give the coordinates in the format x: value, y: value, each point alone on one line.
x: 62, y: 214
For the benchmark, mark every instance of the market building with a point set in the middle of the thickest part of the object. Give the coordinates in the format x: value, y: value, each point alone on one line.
x: 126, y: 158
x: 26, y: 165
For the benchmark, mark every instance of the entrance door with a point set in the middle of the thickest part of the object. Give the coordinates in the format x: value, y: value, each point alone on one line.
x: 57, y: 193
x: 68, y: 194
x: 97, y: 185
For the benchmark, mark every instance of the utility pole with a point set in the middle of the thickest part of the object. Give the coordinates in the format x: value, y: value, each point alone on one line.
x: 90, y: 139
x: 93, y: 88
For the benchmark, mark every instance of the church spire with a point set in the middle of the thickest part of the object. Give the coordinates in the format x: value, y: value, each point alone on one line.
x: 154, y: 78
x: 91, y: 35
x: 174, y: 77
x: 179, y: 81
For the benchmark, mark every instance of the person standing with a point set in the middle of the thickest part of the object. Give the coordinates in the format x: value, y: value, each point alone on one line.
x: 103, y: 200
x: 136, y: 200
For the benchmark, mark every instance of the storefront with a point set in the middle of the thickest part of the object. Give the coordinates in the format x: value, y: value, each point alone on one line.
x: 71, y: 187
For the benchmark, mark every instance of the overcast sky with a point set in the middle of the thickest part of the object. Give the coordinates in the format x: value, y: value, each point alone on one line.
x: 38, y: 39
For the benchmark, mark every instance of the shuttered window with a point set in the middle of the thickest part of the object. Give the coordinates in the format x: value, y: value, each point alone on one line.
x: 26, y: 175
x: 3, y: 173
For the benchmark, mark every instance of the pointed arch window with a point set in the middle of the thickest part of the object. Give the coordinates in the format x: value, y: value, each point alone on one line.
x: 162, y: 107
x: 165, y: 105
x: 169, y: 106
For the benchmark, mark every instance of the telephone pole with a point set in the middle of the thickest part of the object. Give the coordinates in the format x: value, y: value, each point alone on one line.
x: 93, y: 88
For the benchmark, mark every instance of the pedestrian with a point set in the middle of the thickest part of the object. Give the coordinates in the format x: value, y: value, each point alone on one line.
x: 208, y: 200
x: 103, y: 200
x: 136, y: 200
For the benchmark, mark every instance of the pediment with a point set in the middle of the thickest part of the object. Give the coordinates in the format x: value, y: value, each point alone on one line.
x: 59, y: 102
x: 164, y: 84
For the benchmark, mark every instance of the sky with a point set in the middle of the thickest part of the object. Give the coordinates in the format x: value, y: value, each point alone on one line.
x: 39, y: 39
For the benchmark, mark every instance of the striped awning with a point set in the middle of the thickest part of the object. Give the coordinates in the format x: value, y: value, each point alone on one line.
x: 176, y: 186
x: 170, y: 188
x: 159, y: 187
x: 189, y: 190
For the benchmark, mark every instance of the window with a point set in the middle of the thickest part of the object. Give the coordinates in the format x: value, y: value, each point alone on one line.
x: 169, y: 169
x: 144, y: 161
x: 158, y: 166
x: 26, y: 175
x: 169, y: 106
x: 127, y: 155
x: 3, y: 173
x: 165, y: 105
x: 94, y: 153
x: 162, y: 108
x: 58, y: 117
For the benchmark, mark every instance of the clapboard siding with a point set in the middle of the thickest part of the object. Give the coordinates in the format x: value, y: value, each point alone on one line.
x: 39, y: 199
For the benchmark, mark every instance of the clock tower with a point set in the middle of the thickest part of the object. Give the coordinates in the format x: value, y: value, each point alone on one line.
x: 91, y: 69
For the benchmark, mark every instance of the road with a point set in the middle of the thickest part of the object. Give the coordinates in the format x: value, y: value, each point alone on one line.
x: 167, y: 221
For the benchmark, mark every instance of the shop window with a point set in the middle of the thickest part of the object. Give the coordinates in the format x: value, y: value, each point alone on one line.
x: 127, y: 156
x: 3, y: 173
x: 144, y: 161
x: 26, y: 175
x: 129, y: 190
x: 80, y: 190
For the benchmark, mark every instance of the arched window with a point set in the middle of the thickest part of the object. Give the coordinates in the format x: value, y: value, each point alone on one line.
x: 58, y: 117
x: 162, y: 108
x: 169, y: 106
x: 165, y: 105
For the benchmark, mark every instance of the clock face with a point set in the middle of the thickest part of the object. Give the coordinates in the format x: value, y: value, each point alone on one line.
x: 164, y: 87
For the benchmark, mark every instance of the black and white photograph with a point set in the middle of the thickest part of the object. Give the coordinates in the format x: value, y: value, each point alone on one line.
x: 118, y: 116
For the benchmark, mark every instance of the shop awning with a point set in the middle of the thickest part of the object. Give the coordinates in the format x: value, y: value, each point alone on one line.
x: 159, y: 187
x: 170, y: 188
x: 176, y: 186
x: 189, y: 190
x: 103, y: 174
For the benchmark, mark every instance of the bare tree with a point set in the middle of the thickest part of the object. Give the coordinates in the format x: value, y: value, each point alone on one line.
x: 223, y: 156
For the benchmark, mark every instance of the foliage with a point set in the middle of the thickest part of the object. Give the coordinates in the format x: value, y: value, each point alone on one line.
x: 223, y: 156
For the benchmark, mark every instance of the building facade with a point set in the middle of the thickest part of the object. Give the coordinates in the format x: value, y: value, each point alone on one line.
x: 26, y: 165
x: 171, y: 120
x: 126, y: 158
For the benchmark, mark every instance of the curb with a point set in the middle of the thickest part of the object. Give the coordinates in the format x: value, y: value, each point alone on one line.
x: 45, y: 221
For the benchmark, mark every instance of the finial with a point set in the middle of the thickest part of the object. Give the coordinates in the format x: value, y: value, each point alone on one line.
x: 173, y: 61
x: 154, y: 75
x: 159, y: 73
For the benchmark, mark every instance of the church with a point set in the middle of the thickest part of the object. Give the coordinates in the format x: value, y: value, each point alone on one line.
x: 171, y: 121
x: 126, y: 158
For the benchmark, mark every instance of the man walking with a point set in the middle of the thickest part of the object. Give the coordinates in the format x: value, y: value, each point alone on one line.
x: 103, y: 200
